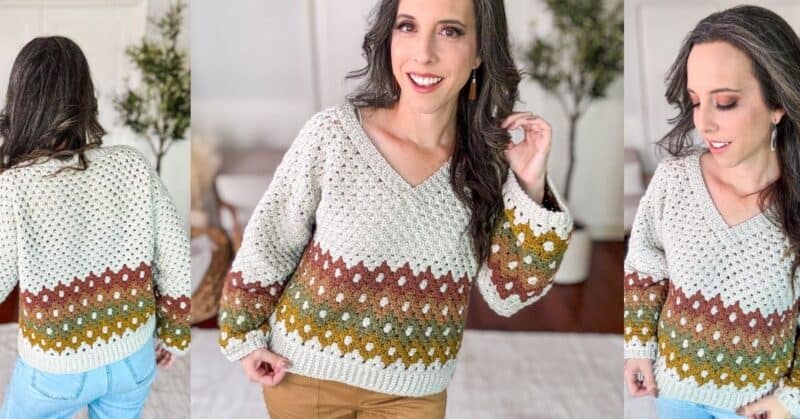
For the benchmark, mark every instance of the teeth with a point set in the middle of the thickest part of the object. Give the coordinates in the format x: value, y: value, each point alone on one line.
x: 717, y: 144
x: 425, y: 81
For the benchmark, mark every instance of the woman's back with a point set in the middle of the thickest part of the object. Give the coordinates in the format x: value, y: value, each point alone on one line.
x: 87, y: 247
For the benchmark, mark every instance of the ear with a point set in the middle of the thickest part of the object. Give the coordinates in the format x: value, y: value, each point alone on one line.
x: 478, y: 63
x: 777, y: 115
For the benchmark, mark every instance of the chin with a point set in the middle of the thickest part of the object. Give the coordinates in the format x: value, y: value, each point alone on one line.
x: 426, y: 104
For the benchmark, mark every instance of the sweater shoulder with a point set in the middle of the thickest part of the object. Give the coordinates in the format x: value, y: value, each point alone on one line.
x: 325, y: 133
x: 676, y: 169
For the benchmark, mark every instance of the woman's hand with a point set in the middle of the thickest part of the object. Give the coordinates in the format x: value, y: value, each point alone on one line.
x: 765, y: 407
x: 265, y: 367
x: 528, y: 159
x: 164, y: 358
x: 639, y: 377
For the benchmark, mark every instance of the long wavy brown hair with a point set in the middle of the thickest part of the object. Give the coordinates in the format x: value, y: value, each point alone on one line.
x: 51, y: 109
x: 774, y: 51
x: 478, y: 167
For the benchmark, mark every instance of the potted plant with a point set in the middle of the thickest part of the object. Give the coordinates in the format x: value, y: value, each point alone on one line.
x: 576, y: 63
x: 159, y: 109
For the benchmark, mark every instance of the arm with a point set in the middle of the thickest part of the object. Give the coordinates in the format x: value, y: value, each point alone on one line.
x: 527, y: 246
x: 646, y: 282
x: 8, y: 243
x: 171, y: 272
x: 274, y: 238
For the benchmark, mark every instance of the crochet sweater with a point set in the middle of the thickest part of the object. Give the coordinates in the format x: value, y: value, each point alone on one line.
x: 101, y: 258
x: 712, y: 304
x: 358, y: 277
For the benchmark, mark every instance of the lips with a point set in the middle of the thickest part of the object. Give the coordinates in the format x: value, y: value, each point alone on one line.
x: 426, y: 81
x: 717, y: 146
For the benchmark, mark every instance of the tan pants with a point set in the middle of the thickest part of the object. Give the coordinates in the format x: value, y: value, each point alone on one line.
x: 299, y: 397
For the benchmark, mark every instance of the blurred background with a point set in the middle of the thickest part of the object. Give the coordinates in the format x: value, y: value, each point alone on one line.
x: 654, y: 31
x: 103, y: 29
x: 262, y: 68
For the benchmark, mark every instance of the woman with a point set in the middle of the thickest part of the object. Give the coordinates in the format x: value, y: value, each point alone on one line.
x: 355, y: 270
x: 91, y: 237
x: 712, y: 269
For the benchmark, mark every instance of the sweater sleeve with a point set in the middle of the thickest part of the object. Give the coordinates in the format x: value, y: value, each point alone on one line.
x: 278, y: 230
x: 171, y: 271
x: 788, y: 391
x: 646, y: 282
x: 527, y: 246
x: 8, y: 243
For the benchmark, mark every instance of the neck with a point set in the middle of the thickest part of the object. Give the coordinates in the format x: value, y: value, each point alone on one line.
x: 753, y: 174
x: 427, y: 130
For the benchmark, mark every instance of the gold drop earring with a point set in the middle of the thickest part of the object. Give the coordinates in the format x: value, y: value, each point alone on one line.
x: 473, y: 87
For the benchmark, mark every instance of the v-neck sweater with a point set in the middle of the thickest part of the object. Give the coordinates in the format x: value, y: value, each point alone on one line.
x: 101, y: 258
x: 357, y: 276
x: 713, y: 304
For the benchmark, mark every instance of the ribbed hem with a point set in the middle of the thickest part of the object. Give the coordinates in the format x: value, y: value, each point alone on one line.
x: 309, y: 361
x: 93, y: 357
x: 671, y: 387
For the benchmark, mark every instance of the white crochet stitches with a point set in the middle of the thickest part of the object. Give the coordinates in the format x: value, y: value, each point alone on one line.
x: 714, y: 304
x: 357, y: 276
x: 101, y: 258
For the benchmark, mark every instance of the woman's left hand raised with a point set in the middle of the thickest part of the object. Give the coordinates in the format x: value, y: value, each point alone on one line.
x: 528, y: 159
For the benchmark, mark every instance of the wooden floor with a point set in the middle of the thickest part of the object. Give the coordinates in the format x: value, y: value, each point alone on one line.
x: 592, y: 306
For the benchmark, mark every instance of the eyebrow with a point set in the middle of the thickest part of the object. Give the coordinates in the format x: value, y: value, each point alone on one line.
x: 720, y: 90
x: 441, y: 22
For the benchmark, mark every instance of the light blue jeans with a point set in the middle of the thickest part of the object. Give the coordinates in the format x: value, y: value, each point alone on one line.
x: 680, y: 409
x: 117, y: 390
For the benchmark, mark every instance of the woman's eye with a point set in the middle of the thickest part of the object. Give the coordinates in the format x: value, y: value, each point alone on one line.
x: 405, y: 27
x: 695, y: 104
x: 726, y: 106
x: 452, y: 32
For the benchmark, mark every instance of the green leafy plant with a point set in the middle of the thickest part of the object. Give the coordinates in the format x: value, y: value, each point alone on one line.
x: 579, y: 59
x: 159, y: 109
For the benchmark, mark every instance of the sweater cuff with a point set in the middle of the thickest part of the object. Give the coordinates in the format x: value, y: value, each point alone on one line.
x: 238, y: 349
x: 526, y: 210
x: 637, y: 350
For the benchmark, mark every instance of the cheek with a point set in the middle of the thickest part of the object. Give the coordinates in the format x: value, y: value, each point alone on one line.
x: 742, y: 123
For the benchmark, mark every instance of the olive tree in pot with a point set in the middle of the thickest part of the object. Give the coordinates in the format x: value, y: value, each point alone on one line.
x: 159, y: 109
x: 576, y: 63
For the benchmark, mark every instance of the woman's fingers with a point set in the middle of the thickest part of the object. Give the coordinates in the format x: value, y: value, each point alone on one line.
x: 265, y: 367
x: 649, y: 381
x: 515, y: 117
x: 633, y: 384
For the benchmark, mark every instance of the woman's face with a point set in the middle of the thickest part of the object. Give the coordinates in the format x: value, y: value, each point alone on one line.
x: 729, y: 108
x: 433, y: 51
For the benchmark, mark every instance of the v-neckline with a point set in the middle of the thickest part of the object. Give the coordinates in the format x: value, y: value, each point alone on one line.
x: 752, y: 225
x: 377, y: 160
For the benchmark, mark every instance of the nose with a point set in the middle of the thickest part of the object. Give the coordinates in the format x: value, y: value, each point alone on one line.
x: 704, y: 119
x: 425, y: 50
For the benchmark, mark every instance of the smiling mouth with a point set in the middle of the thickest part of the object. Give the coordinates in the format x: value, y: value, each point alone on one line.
x: 425, y: 81
x: 718, y: 145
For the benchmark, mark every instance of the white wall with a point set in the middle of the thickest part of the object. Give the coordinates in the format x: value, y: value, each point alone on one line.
x: 102, y: 28
x: 261, y: 69
x: 654, y: 30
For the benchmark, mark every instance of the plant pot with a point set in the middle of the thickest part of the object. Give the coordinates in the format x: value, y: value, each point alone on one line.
x: 575, y: 266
